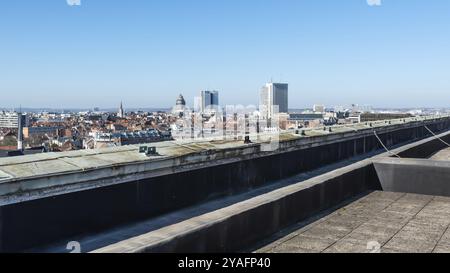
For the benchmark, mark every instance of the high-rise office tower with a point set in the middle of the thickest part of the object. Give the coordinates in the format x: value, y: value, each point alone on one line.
x: 274, y: 95
x: 11, y: 120
x: 209, y: 101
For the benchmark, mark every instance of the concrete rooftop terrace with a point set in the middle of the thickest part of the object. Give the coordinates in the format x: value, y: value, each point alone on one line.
x: 38, y: 176
x: 382, y: 221
x: 237, y: 222
x: 398, y: 222
x: 443, y: 155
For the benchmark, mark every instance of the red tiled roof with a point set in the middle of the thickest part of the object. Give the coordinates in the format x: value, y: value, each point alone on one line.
x: 8, y: 148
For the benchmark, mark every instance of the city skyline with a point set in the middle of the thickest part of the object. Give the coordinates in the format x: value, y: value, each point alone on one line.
x: 146, y: 54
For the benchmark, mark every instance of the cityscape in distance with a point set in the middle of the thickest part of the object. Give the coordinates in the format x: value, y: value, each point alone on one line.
x: 50, y: 130
x: 205, y: 127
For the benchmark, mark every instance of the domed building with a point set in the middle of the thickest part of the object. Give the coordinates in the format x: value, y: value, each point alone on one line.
x: 181, y: 101
x: 180, y: 106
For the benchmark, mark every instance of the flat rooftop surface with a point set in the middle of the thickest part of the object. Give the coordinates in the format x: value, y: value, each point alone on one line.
x: 396, y: 222
x: 443, y: 155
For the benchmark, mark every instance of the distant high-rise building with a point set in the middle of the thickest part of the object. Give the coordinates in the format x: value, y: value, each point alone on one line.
x: 209, y: 101
x: 11, y: 120
x: 197, y: 104
x: 20, y: 131
x: 319, y: 108
x: 361, y: 108
x: 121, y: 113
x: 274, y: 95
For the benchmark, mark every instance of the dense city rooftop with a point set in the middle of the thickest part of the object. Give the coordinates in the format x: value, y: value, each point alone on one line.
x: 84, y: 160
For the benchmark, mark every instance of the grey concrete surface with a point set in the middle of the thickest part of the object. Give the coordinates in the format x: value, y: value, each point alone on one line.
x: 237, y: 226
x: 178, y: 240
x: 422, y: 176
x: 94, y: 241
x: 443, y: 155
x: 396, y: 222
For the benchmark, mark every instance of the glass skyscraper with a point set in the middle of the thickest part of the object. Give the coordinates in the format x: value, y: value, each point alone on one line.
x: 209, y: 100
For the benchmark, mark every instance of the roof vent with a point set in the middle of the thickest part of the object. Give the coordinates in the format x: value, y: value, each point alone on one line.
x: 148, y: 150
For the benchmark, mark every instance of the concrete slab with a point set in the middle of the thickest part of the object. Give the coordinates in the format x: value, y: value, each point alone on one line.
x: 443, y: 155
x: 286, y: 248
x: 398, y: 222
x: 347, y: 246
x: 422, y: 176
x: 368, y: 233
x: 409, y: 244
x: 310, y: 244
x: 442, y: 249
x: 327, y: 231
x: 38, y: 168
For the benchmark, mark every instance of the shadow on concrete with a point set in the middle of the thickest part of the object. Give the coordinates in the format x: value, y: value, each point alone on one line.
x: 93, y: 241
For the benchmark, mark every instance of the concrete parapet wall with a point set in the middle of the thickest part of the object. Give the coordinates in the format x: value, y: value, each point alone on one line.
x: 241, y: 225
x: 427, y: 149
x: 419, y: 176
x: 57, y: 174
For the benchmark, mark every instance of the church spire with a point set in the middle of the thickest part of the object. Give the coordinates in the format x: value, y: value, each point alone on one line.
x: 121, y: 113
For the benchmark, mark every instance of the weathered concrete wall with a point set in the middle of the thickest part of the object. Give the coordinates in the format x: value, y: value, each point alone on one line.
x: 249, y: 227
x: 41, y: 221
x: 419, y: 176
x: 239, y: 226
x: 427, y: 149
x: 243, y: 224
x: 46, y: 175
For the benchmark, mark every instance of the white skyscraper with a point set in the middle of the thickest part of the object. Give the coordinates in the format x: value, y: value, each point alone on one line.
x: 274, y: 95
x: 11, y: 120
x: 8, y: 119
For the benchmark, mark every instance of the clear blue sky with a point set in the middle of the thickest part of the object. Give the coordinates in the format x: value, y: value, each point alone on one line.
x: 146, y: 52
